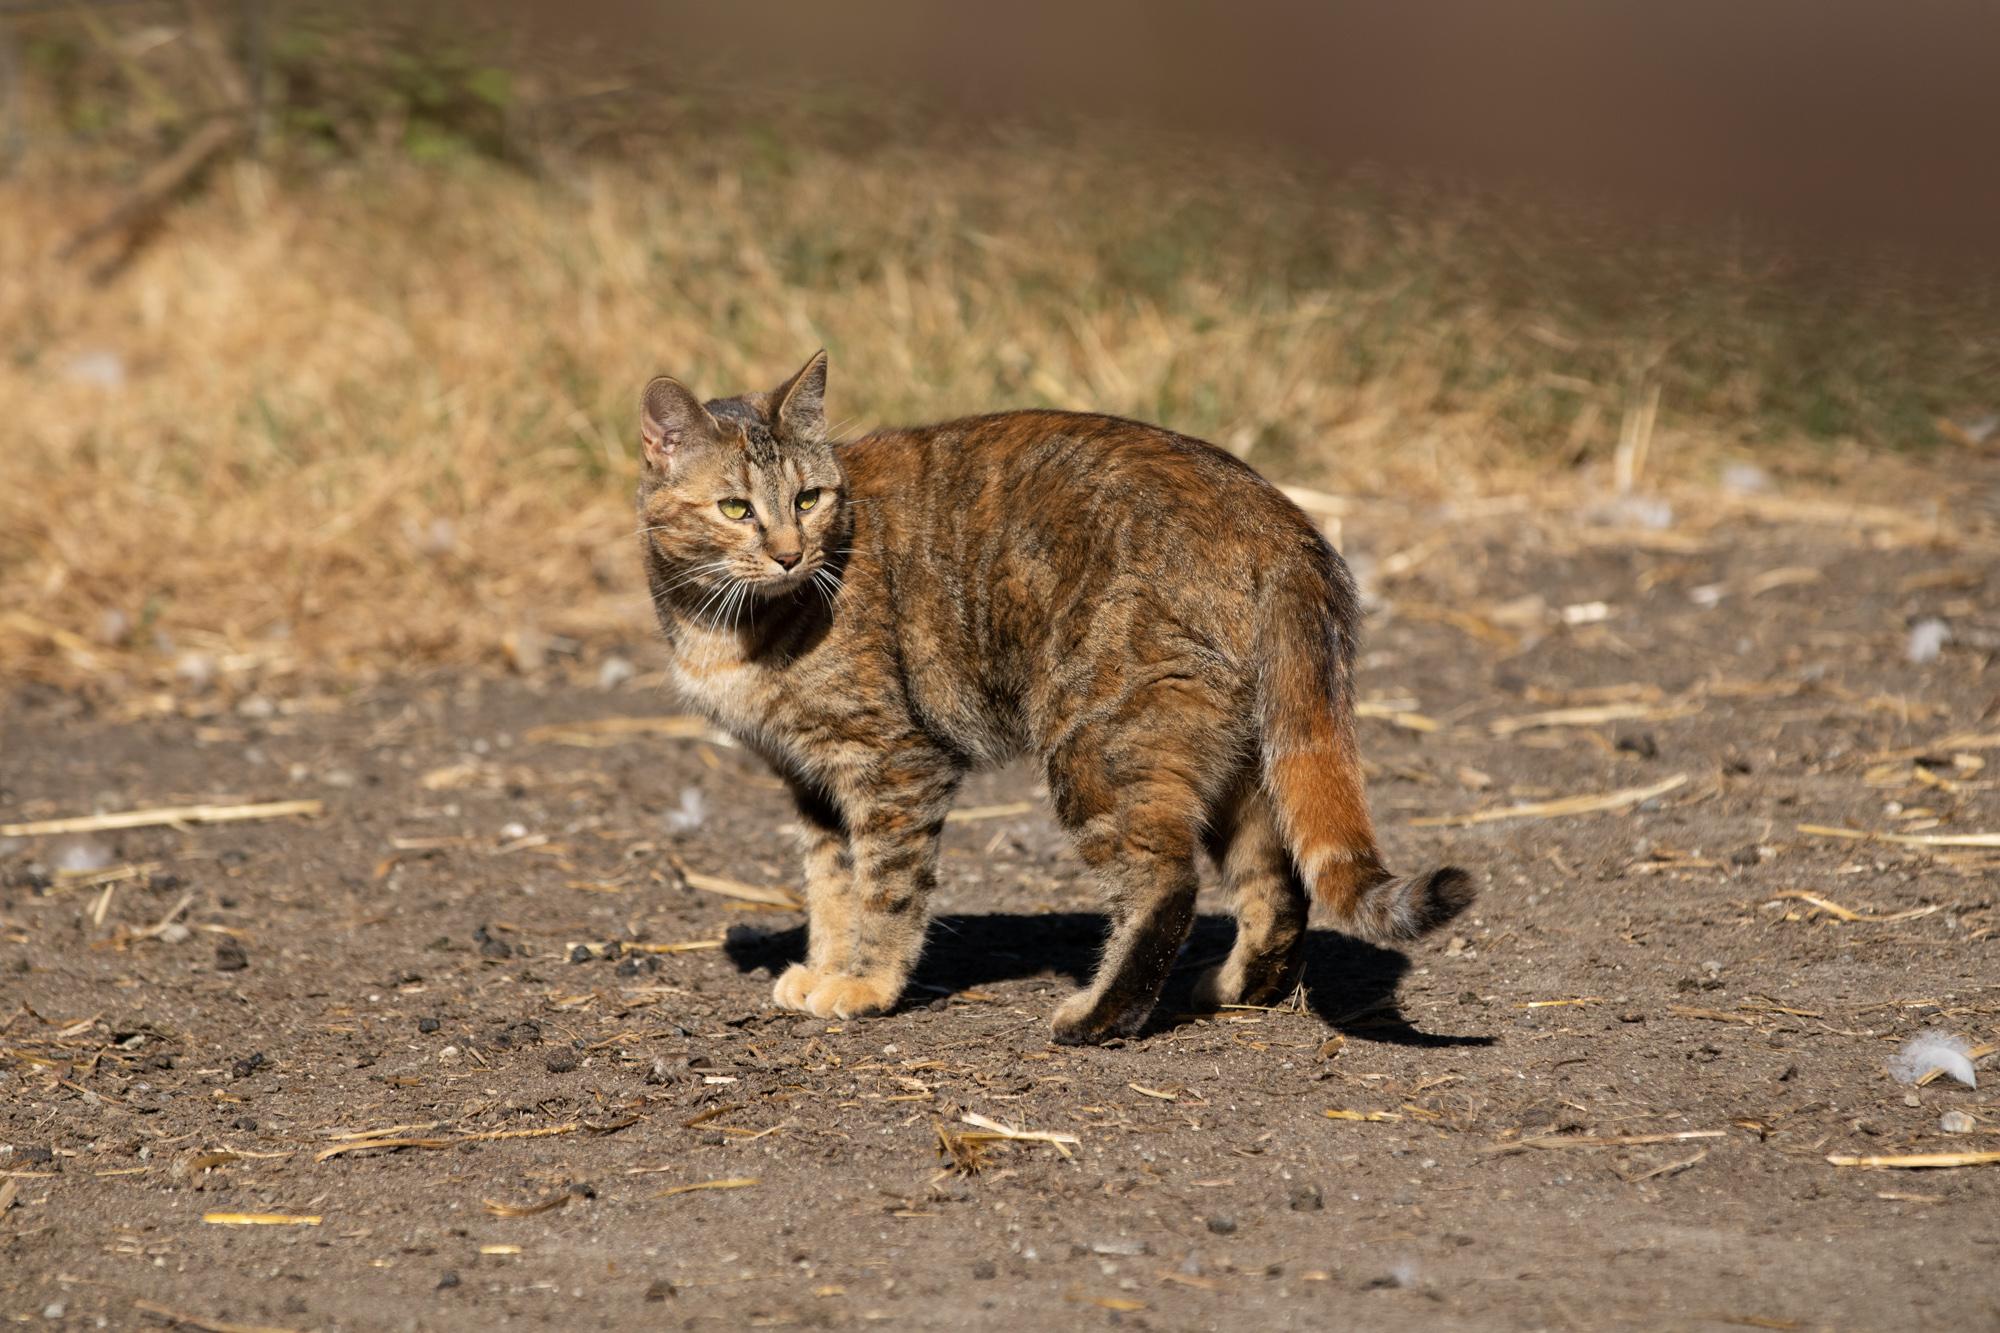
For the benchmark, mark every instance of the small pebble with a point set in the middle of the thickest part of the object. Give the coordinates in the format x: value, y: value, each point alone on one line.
x: 562, y: 1061
x: 448, y: 1281
x: 230, y: 956
x: 1222, y: 1226
x: 1956, y: 1122
x: 1645, y: 745
x: 428, y: 1025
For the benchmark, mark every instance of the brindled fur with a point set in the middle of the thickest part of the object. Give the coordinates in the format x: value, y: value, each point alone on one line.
x: 1166, y: 635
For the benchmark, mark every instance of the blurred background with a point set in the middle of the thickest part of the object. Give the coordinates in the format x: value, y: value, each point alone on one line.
x: 321, y: 325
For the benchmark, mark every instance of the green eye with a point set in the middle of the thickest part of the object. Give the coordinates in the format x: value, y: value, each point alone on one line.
x: 807, y: 499
x: 734, y: 508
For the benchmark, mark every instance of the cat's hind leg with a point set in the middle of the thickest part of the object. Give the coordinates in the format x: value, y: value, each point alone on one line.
x: 1135, y: 818
x: 1270, y: 903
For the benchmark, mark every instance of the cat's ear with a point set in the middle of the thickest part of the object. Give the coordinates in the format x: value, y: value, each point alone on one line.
x: 670, y: 419
x: 800, y: 403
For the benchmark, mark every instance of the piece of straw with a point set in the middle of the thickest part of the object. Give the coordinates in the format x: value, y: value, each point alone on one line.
x: 1901, y: 839
x: 1915, y: 1161
x: 1556, y: 809
x: 1834, y: 909
x: 171, y: 814
x: 730, y: 1183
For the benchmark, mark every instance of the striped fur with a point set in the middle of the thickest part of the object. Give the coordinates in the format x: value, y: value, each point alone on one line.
x: 1139, y: 613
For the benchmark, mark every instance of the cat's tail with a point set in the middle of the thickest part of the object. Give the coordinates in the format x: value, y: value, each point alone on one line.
x: 1312, y: 769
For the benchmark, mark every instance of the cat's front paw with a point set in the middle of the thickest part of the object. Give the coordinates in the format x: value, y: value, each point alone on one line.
x: 851, y: 997
x: 794, y: 986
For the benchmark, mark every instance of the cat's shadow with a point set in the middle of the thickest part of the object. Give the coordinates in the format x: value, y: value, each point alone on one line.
x: 1350, y: 985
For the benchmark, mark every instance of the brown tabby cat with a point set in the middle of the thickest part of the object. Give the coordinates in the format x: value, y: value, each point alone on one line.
x: 1167, y: 635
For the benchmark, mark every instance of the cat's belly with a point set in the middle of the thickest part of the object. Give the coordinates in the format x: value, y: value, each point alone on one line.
x: 771, y: 711
x: 984, y: 731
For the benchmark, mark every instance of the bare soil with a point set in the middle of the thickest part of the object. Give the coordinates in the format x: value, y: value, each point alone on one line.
x: 1609, y: 1097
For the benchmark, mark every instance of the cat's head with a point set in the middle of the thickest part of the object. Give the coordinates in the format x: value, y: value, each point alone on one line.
x: 741, y: 492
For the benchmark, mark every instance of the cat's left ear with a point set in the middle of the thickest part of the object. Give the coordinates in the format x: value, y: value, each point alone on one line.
x: 801, y: 402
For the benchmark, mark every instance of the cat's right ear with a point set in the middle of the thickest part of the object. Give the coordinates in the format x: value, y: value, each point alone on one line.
x: 671, y: 419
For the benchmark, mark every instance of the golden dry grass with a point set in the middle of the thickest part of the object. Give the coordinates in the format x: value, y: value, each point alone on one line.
x: 378, y: 416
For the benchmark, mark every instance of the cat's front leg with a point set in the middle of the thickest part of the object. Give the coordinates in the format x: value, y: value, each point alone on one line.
x: 893, y: 816
x: 830, y: 920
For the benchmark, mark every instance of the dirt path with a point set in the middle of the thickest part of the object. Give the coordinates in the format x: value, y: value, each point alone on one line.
x: 1609, y: 1098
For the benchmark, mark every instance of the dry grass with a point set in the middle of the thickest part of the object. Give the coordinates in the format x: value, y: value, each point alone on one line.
x: 377, y: 416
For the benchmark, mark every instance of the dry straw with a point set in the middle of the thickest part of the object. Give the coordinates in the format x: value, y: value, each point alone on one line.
x: 380, y: 415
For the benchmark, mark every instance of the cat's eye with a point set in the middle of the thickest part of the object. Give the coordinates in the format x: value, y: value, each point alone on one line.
x: 807, y: 499
x: 734, y: 508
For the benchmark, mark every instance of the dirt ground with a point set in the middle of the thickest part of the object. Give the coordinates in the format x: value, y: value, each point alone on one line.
x: 1608, y: 1097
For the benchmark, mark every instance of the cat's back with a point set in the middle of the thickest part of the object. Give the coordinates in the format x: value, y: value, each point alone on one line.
x: 1031, y: 557
x: 1068, y: 478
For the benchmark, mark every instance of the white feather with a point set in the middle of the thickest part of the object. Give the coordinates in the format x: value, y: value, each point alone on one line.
x: 691, y: 815
x: 1933, y: 1050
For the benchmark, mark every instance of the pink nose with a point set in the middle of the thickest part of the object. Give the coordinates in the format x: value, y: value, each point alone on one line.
x: 787, y: 559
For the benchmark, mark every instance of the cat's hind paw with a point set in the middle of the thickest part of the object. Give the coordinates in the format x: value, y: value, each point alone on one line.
x: 1265, y: 979
x: 1085, y: 1019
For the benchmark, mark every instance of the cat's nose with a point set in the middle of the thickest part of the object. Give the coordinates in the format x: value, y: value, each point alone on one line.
x: 787, y: 559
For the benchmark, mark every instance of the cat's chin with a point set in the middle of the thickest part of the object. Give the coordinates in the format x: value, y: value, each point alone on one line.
x: 783, y: 585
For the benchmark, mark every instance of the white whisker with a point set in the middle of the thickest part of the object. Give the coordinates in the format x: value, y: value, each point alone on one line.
x: 716, y: 594
x: 694, y: 574
x: 819, y: 585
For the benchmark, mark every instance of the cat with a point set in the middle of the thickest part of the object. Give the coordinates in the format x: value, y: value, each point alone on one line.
x: 1157, y: 626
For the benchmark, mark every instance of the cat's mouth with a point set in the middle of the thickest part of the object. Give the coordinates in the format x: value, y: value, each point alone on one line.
x: 777, y: 585
x: 819, y: 572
